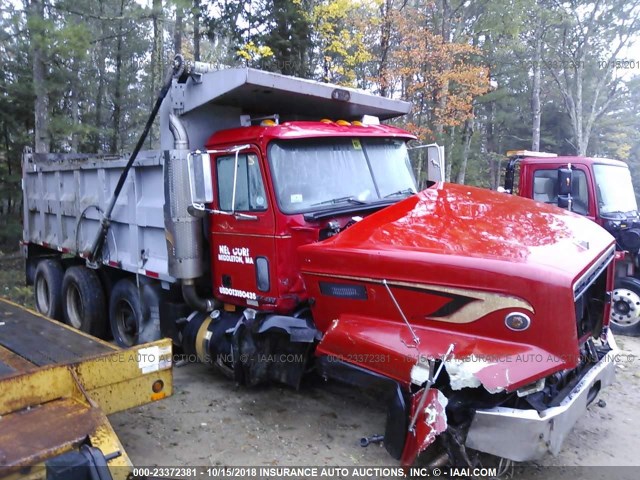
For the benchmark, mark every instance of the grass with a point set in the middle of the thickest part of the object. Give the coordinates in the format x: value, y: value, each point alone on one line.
x: 12, y: 280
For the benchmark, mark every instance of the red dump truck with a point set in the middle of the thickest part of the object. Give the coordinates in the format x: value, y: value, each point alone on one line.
x: 278, y: 232
x: 601, y: 190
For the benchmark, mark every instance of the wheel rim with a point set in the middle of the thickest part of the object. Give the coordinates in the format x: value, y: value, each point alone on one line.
x: 126, y: 323
x: 625, y: 308
x: 75, y: 308
x: 42, y: 295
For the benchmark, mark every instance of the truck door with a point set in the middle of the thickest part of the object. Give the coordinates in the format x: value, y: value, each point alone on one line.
x: 242, y: 238
x: 544, y: 188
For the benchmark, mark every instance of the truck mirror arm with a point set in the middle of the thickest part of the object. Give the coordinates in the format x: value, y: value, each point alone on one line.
x: 199, y: 210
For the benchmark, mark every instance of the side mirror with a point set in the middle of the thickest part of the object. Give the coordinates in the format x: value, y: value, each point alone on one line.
x: 435, y: 163
x: 565, y: 177
x: 200, y: 180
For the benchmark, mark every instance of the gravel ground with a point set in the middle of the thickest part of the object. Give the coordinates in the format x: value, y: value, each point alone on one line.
x: 211, y: 421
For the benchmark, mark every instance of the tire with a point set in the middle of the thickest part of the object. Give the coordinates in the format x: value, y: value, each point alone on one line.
x: 625, y: 307
x: 83, y: 302
x: 47, y: 288
x: 125, y: 313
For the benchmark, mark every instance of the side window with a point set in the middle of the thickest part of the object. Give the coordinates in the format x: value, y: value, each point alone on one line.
x: 545, y: 189
x: 250, y: 193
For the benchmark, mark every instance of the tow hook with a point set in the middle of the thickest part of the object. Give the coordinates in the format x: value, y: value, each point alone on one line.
x: 366, y: 441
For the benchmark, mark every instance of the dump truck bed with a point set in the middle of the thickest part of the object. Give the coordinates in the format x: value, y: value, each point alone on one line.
x: 64, y: 196
x: 56, y: 387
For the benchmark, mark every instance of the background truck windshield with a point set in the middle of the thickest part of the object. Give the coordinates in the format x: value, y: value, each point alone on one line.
x: 614, y: 189
x: 310, y: 172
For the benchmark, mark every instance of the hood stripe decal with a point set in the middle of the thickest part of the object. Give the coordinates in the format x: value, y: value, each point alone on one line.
x: 472, y: 304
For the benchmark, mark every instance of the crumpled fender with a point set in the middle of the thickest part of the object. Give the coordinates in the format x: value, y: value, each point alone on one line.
x: 384, y: 347
x: 431, y: 421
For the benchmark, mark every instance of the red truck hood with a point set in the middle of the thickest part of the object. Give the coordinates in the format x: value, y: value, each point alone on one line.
x: 457, y: 259
x: 456, y: 220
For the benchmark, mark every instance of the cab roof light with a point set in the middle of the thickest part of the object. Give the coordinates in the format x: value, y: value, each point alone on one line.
x: 358, y: 123
x: 326, y: 120
x: 247, y: 120
x: 343, y: 123
x: 530, y: 153
x: 370, y: 120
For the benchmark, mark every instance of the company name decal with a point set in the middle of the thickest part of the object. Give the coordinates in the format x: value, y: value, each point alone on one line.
x: 234, y: 255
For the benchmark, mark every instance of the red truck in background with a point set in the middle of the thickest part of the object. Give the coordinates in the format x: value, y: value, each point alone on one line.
x: 272, y: 246
x: 601, y: 190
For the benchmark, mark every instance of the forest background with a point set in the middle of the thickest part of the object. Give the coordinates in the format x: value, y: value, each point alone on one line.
x: 483, y: 76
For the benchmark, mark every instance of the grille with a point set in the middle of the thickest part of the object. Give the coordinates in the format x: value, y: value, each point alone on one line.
x: 590, y: 306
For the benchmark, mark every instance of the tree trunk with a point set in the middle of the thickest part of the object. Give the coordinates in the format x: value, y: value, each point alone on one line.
x: 447, y: 154
x: 491, y: 148
x: 467, y: 134
x: 116, y: 142
x: 385, y: 38
x: 41, y: 104
x: 536, y: 111
x: 101, y: 61
x: 74, y: 105
x: 177, y: 31
x: 196, y: 30
x: 7, y: 146
x: 156, y: 60
x: 443, y: 94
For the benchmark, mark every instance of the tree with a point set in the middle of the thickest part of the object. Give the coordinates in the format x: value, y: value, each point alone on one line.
x: 585, y: 50
x: 428, y: 68
x: 36, y: 21
x: 340, y: 30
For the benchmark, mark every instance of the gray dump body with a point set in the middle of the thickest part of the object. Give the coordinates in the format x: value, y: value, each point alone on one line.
x: 65, y: 193
x: 62, y: 191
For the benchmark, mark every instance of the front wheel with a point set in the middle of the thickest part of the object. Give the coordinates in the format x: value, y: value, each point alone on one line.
x: 625, y: 307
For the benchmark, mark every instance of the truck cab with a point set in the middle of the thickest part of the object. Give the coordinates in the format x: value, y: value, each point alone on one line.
x: 601, y: 190
x: 296, y: 183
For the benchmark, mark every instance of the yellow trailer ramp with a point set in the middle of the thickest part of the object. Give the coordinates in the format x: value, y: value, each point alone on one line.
x: 56, y: 387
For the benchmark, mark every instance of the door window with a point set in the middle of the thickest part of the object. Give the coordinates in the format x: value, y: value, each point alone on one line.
x: 250, y: 193
x: 545, y: 189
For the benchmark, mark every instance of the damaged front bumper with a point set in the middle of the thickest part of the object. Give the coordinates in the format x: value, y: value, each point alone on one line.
x: 523, y: 435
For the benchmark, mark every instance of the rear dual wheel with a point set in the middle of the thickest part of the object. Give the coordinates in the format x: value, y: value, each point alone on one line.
x: 125, y: 313
x: 83, y: 301
x: 625, y: 307
x: 47, y: 288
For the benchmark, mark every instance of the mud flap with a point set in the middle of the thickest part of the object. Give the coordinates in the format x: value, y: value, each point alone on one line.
x: 428, y: 423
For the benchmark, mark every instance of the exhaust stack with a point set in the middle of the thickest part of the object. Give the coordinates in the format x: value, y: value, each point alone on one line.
x: 183, y: 232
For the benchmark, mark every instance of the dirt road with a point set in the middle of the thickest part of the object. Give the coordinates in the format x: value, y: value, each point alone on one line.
x: 210, y: 421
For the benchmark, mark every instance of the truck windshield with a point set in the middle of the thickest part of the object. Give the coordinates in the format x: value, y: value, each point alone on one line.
x: 614, y: 189
x: 311, y: 174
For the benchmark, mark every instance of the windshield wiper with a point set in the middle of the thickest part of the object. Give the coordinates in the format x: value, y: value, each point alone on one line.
x: 406, y: 191
x: 333, y: 201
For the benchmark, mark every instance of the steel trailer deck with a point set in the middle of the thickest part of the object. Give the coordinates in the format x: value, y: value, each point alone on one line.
x: 57, y: 385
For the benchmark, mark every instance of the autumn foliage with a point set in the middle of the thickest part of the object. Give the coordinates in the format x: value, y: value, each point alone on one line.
x: 441, y: 79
